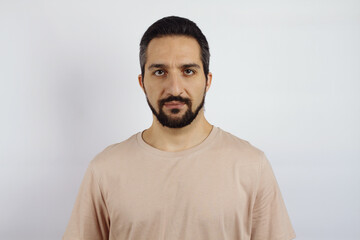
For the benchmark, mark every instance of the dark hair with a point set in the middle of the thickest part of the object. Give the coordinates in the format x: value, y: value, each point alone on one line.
x: 173, y: 25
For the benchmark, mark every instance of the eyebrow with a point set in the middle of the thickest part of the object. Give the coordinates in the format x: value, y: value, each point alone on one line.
x: 159, y: 65
x: 191, y: 65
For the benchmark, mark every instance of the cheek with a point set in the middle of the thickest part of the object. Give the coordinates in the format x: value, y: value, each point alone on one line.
x: 200, y: 91
x: 153, y: 95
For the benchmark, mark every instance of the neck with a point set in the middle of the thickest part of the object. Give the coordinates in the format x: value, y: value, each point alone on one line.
x: 177, y: 139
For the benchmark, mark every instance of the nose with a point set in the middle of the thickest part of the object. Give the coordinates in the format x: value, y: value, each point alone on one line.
x: 174, y: 85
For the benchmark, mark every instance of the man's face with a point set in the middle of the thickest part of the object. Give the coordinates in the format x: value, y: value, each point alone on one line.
x: 174, y: 80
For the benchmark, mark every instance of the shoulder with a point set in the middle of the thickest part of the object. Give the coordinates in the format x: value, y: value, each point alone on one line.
x: 235, y: 143
x: 114, y: 154
x: 239, y: 148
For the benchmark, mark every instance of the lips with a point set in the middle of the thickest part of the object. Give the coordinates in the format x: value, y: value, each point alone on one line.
x: 174, y: 104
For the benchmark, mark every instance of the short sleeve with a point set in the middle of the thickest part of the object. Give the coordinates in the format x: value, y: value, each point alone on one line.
x: 270, y: 219
x: 89, y: 218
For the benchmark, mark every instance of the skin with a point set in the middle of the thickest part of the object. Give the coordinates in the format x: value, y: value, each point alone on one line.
x: 174, y: 68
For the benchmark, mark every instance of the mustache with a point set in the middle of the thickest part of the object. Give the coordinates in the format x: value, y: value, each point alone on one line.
x: 174, y: 98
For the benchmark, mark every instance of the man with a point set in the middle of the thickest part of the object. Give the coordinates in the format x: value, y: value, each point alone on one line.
x: 182, y: 178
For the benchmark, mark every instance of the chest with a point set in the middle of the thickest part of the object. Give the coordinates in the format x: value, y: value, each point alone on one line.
x: 180, y: 191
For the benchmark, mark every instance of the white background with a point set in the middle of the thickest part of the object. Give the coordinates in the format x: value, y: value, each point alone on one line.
x: 286, y: 77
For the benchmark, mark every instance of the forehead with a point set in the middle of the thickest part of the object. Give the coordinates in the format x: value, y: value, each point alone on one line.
x: 169, y: 49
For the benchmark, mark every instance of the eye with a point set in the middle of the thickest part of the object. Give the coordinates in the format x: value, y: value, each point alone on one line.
x: 159, y: 73
x: 189, y: 72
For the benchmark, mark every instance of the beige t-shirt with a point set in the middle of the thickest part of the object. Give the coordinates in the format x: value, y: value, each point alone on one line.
x: 222, y: 189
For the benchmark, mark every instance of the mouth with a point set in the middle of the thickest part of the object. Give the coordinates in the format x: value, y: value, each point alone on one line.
x: 174, y: 104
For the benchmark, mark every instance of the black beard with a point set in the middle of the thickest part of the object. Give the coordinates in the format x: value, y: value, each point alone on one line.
x: 183, y: 121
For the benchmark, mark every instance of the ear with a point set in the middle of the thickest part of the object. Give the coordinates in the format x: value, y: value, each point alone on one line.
x: 141, y: 82
x: 208, y: 82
